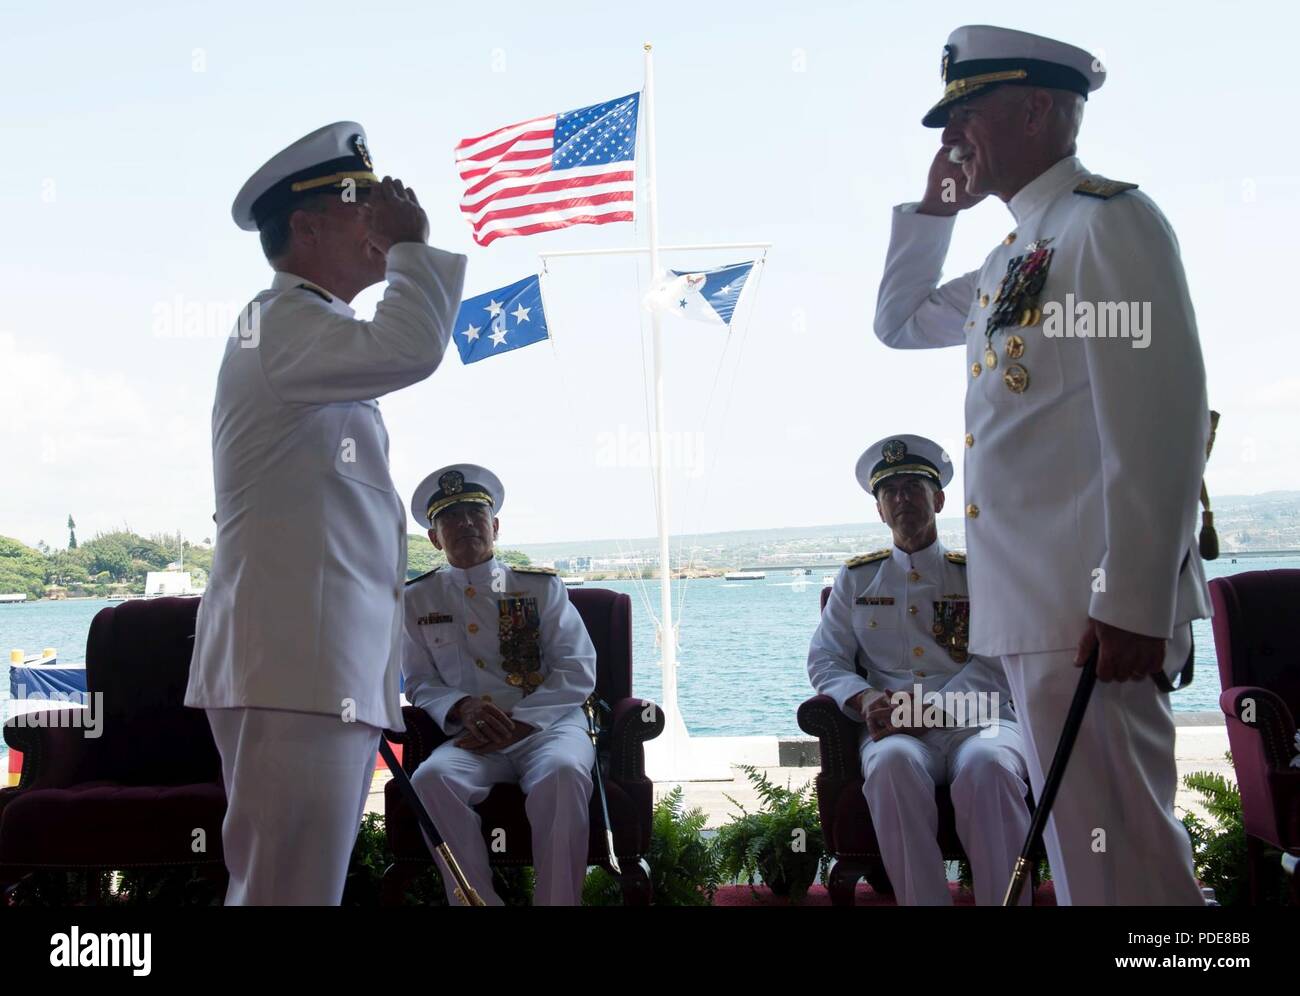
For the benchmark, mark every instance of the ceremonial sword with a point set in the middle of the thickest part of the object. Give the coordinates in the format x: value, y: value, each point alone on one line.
x: 589, y: 707
x: 464, y: 891
x: 1069, y: 733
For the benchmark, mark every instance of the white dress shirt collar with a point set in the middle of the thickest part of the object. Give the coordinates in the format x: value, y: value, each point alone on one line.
x: 284, y: 280
x: 479, y: 574
x: 1045, y: 188
x: 927, y: 560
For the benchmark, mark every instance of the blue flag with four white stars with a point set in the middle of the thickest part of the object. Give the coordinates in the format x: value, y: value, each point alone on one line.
x: 501, y: 320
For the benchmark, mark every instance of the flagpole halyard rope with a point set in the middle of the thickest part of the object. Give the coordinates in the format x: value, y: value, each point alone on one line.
x: 760, y: 265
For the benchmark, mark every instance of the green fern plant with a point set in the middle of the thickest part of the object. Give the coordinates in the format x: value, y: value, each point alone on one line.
x: 683, y: 871
x: 781, y: 843
x: 1219, y: 844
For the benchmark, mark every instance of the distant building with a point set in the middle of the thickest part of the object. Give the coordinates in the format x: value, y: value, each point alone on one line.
x: 576, y: 564
x: 618, y: 563
x: 158, y: 583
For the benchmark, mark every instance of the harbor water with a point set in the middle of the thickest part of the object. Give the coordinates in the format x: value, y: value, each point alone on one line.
x: 742, y: 645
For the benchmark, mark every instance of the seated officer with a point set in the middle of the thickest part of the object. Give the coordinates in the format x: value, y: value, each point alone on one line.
x: 501, y: 660
x: 893, y: 634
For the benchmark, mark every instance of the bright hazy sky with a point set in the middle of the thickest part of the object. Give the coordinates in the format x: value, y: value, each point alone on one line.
x: 129, y: 128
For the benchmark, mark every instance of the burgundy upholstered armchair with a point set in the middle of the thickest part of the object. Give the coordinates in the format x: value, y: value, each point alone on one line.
x: 1259, y: 667
x: 608, y: 617
x: 847, y: 829
x: 134, y: 796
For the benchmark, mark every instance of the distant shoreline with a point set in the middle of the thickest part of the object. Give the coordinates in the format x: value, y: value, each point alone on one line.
x: 697, y: 574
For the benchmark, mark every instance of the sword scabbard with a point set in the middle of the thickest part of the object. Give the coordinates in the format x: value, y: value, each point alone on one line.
x: 463, y: 890
x: 1018, y: 877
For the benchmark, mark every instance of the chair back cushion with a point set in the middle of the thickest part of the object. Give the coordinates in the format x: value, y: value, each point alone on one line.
x: 1255, y: 633
x: 138, y: 663
x: 608, y: 618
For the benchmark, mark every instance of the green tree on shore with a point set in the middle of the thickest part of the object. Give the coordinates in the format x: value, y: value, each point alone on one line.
x: 119, y: 561
x: 72, y: 533
x: 22, y: 569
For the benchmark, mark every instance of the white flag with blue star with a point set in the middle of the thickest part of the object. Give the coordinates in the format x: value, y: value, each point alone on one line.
x: 701, y: 295
x: 501, y: 320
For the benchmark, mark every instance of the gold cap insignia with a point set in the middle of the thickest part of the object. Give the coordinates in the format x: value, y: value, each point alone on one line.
x: 894, y: 451
x: 452, y: 482
x: 359, y: 146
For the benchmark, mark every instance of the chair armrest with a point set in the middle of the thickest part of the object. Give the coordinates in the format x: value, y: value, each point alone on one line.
x: 1257, y: 713
x: 632, y: 723
x: 1261, y: 733
x: 837, y: 736
x: 55, y: 755
x: 420, y: 738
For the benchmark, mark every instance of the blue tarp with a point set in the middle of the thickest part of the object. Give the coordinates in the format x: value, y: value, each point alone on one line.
x: 57, y: 683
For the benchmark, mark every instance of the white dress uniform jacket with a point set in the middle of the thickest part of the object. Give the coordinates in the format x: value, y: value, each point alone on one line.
x: 876, y: 633
x: 1096, y: 465
x: 303, y: 607
x: 492, y: 631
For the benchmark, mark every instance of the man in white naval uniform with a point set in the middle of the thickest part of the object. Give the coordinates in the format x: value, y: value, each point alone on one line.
x: 1087, y: 423
x: 891, y: 649
x: 296, y: 650
x: 501, y: 660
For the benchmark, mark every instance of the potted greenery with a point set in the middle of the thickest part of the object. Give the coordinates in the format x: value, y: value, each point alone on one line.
x: 781, y: 843
x: 1219, y: 846
x: 683, y: 871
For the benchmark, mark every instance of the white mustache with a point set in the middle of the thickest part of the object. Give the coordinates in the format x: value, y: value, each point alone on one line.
x: 957, y: 154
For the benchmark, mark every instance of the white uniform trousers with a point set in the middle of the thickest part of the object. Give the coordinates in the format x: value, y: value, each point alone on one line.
x: 986, y: 778
x: 553, y: 767
x: 1112, y: 838
x: 296, y: 786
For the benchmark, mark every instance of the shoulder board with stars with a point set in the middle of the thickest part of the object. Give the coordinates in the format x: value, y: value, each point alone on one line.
x: 427, y: 574
x: 866, y: 558
x: 1099, y: 186
x: 956, y: 557
x: 533, y: 570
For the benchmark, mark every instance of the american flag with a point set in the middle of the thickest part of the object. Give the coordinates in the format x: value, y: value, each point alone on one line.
x: 572, y: 168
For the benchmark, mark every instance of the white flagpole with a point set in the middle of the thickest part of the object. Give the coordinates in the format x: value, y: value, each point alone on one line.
x: 670, y: 756
x: 677, y: 762
x: 667, y: 635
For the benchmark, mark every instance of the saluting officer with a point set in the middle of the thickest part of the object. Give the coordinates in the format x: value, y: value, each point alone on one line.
x: 1086, y: 423
x: 892, y: 648
x: 500, y: 659
x: 296, y: 651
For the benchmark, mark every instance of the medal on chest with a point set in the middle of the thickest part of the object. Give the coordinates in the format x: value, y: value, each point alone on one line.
x: 519, y: 632
x: 1015, y: 305
x: 952, y: 627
